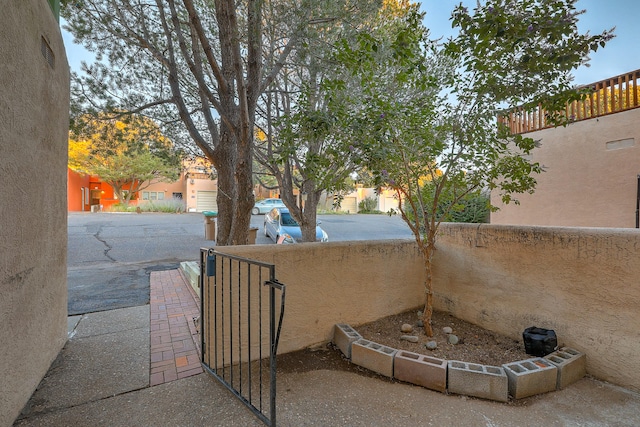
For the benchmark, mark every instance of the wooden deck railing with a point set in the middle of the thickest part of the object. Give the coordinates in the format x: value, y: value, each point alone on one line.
x: 613, y: 95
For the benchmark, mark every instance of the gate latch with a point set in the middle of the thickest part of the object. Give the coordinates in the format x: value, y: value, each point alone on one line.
x: 211, y: 263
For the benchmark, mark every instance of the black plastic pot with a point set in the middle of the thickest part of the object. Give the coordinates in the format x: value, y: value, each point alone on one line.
x: 539, y: 342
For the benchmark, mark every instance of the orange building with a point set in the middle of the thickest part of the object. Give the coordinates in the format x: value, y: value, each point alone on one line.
x: 197, y: 186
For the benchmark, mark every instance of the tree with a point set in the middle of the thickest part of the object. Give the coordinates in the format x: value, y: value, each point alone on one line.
x: 427, y: 114
x: 301, y: 143
x: 128, y: 155
x: 198, y: 68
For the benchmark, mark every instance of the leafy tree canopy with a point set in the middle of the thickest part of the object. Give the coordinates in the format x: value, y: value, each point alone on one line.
x: 424, y: 115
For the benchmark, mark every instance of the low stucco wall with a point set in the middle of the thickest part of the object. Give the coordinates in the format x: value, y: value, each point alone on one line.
x: 34, y: 108
x: 581, y: 282
x: 350, y: 282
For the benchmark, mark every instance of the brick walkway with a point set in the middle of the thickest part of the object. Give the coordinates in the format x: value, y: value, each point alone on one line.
x: 175, y: 341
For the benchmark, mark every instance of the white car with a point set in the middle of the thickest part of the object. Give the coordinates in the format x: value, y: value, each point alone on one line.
x: 264, y: 206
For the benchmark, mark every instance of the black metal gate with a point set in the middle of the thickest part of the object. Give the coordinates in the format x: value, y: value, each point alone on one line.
x: 241, y: 321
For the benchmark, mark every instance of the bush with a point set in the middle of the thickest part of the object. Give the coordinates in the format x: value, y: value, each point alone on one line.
x: 119, y: 207
x: 368, y: 205
x: 168, y: 205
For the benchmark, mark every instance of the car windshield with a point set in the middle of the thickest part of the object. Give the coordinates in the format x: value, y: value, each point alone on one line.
x: 287, y: 220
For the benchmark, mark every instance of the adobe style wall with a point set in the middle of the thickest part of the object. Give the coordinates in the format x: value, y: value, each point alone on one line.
x: 590, y: 179
x: 583, y: 283
x: 340, y: 282
x: 34, y: 108
x: 580, y: 282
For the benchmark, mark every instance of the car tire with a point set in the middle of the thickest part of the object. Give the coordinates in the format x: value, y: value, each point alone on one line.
x: 265, y: 230
x: 255, y: 211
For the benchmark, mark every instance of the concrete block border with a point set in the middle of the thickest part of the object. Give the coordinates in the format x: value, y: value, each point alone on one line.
x: 472, y: 379
x: 530, y: 377
x: 373, y: 356
x: 571, y: 364
x: 518, y: 379
x: 420, y: 369
x: 343, y: 336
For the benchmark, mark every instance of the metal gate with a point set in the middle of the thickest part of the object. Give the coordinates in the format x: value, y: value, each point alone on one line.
x: 242, y: 307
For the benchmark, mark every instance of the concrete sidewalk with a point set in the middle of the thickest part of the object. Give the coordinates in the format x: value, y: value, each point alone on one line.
x: 105, y: 376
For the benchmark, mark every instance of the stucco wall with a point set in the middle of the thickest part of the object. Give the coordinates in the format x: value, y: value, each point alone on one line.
x: 581, y: 282
x: 34, y: 102
x: 338, y: 282
x: 590, y: 179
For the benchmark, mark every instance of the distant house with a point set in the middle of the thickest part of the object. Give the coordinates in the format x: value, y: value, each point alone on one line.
x: 592, y: 166
x: 197, y: 186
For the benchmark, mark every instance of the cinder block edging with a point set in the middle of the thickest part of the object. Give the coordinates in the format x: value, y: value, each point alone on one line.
x: 517, y: 379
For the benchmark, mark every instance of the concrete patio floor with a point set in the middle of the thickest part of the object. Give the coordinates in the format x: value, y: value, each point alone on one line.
x: 104, y: 376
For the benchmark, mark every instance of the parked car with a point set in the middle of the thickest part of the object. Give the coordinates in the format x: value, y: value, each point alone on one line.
x: 282, y: 228
x: 264, y: 206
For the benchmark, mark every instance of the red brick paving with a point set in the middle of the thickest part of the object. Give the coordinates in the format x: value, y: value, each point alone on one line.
x: 175, y: 341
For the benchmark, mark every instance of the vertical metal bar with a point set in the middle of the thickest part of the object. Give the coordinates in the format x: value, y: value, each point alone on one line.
x: 202, y: 305
x: 231, y: 320
x: 239, y: 322
x: 222, y: 331
x: 215, y: 318
x: 272, y: 345
x: 260, y: 334
x: 249, y: 330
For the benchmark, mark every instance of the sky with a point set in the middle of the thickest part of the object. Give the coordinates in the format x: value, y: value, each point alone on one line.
x: 620, y: 55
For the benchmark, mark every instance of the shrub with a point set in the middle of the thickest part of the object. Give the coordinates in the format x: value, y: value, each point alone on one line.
x: 168, y: 205
x: 368, y: 205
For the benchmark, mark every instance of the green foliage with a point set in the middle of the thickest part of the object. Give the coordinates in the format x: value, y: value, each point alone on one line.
x: 425, y: 114
x: 164, y: 206
x: 368, y: 205
x: 168, y: 205
x: 128, y: 153
x: 473, y: 207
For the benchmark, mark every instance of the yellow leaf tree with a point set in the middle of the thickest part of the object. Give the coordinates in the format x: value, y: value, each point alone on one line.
x: 128, y: 153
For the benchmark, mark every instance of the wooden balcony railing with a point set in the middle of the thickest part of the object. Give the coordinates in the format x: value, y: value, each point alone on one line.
x: 613, y: 95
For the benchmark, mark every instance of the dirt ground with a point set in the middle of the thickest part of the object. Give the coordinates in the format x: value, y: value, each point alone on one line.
x: 476, y: 345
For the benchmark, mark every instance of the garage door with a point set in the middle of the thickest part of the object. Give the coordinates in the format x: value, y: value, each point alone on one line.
x: 390, y: 203
x: 206, y: 201
x: 349, y: 204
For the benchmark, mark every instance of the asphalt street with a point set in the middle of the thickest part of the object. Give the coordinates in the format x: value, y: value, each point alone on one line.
x: 110, y: 255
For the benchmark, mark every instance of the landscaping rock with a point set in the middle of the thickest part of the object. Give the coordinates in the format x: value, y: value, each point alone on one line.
x: 410, y: 338
x: 420, y: 324
x: 447, y: 330
x: 453, y: 339
x: 431, y: 345
x: 406, y: 328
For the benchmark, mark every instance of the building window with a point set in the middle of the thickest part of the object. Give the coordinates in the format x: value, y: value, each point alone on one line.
x: 153, y: 195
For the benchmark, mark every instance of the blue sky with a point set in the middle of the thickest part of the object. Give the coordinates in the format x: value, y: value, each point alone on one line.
x: 621, y: 55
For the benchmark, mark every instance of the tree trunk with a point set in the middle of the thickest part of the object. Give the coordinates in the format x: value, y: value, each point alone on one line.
x: 427, y: 253
x: 309, y: 216
x: 244, y: 195
x: 224, y: 160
